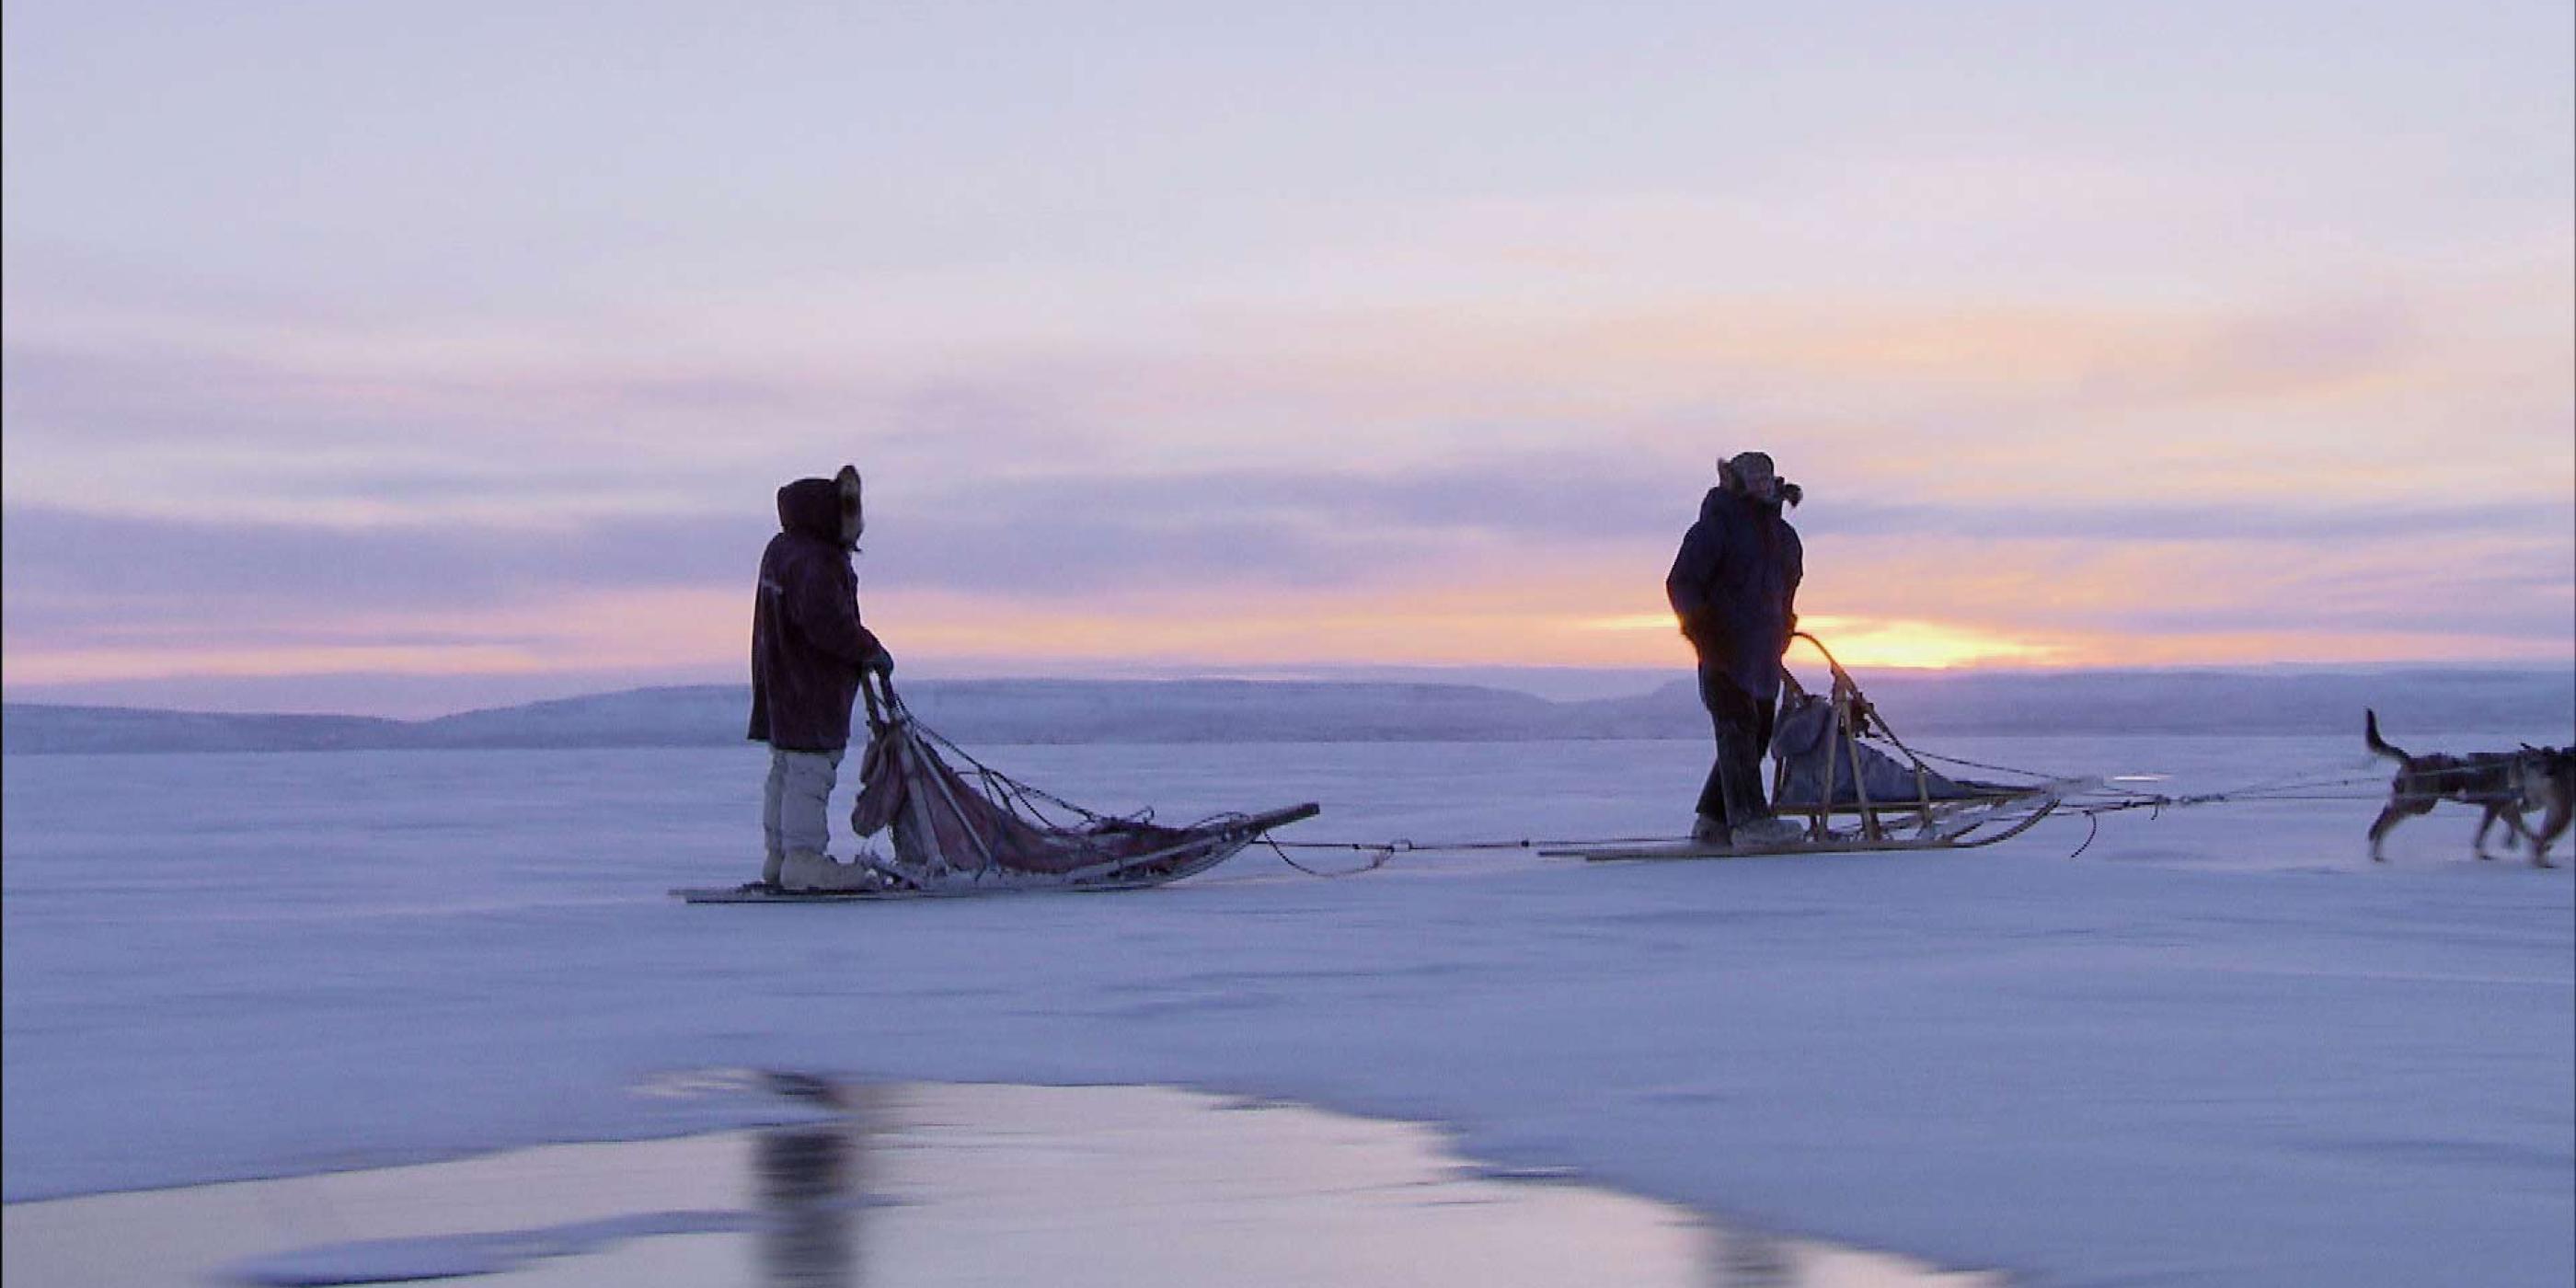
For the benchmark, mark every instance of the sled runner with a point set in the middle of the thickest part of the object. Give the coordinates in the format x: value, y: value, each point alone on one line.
x: 984, y: 832
x: 1852, y: 795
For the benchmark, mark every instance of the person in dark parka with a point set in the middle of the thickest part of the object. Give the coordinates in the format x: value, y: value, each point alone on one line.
x: 808, y: 653
x: 1734, y: 587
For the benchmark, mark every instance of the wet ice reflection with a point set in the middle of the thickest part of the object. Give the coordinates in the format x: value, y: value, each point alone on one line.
x: 939, y: 1185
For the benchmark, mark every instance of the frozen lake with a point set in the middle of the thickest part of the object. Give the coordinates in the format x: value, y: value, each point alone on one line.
x: 2220, y: 1047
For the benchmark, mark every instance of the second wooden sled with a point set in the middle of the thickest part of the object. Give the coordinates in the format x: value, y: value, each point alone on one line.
x: 1854, y: 797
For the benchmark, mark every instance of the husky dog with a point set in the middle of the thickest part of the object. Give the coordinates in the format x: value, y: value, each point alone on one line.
x: 2546, y: 779
x: 2494, y: 781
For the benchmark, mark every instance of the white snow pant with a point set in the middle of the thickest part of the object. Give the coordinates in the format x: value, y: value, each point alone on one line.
x: 794, y: 808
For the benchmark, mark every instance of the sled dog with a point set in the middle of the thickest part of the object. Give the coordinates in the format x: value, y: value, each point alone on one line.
x: 2546, y: 778
x: 2504, y: 784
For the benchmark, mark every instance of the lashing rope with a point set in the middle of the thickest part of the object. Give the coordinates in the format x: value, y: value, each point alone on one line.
x: 1022, y: 800
x: 1383, y: 852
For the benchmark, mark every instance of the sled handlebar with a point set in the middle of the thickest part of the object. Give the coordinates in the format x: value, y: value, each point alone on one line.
x: 870, y: 681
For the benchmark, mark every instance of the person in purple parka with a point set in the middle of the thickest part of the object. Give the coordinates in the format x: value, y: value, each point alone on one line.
x: 809, y: 651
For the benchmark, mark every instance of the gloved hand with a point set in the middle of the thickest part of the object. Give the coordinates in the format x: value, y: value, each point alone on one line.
x: 883, y: 662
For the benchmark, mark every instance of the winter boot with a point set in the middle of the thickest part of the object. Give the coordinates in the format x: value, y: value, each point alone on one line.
x: 1769, y: 829
x: 806, y: 872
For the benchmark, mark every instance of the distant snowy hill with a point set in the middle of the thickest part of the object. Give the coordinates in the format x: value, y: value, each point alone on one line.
x: 682, y: 716
x: 27, y: 728
x: 1040, y: 711
x: 1078, y: 711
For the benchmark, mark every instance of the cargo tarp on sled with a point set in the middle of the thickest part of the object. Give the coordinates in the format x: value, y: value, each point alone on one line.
x: 955, y: 830
x: 1809, y: 756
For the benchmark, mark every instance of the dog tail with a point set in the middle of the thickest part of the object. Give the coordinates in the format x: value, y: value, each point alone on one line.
x: 2370, y: 734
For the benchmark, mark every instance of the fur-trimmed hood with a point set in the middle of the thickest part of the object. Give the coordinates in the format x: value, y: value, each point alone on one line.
x: 1724, y: 494
x: 1790, y: 493
x: 816, y: 507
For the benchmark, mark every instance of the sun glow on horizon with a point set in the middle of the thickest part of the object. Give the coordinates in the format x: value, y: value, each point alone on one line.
x: 1918, y: 645
x: 1571, y: 617
x: 947, y: 631
x: 1889, y: 643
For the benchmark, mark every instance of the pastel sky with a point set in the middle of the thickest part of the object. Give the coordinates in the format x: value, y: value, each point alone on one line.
x: 471, y: 341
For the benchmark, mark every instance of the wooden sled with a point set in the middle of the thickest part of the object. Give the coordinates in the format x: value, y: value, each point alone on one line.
x: 1205, y: 848
x: 1826, y: 785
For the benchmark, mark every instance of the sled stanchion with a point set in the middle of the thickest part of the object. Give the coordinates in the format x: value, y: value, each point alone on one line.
x: 1825, y: 803
x: 1844, y: 718
x: 957, y: 812
x: 867, y: 690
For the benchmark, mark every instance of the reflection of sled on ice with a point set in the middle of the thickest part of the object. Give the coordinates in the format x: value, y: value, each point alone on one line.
x: 1833, y: 777
x: 984, y: 832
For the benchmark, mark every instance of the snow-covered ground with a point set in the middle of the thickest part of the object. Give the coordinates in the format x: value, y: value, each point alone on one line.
x: 2221, y: 1047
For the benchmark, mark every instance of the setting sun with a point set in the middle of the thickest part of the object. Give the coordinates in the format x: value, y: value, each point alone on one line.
x: 1875, y: 642
x: 1863, y: 641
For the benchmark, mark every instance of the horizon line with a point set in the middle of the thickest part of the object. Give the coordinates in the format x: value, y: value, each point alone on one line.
x: 39, y: 696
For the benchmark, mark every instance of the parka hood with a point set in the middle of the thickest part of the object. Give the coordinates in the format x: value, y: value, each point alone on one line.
x: 811, y: 508
x: 1720, y: 497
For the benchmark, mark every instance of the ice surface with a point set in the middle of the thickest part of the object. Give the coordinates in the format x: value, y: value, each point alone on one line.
x: 2222, y: 1047
x: 943, y: 1185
